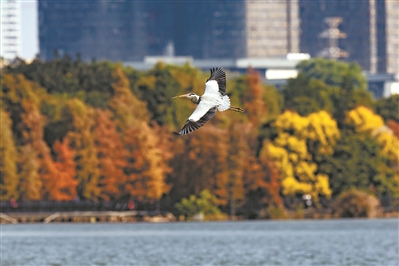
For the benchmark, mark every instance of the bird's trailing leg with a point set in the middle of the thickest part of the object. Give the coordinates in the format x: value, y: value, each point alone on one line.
x: 237, y: 109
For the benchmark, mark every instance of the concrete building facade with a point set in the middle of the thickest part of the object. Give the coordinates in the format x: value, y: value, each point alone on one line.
x: 272, y: 28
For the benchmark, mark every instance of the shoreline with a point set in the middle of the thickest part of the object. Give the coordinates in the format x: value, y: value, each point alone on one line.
x: 134, y: 216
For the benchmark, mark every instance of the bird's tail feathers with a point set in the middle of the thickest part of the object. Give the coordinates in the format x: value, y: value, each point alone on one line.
x: 236, y: 109
x: 225, y: 104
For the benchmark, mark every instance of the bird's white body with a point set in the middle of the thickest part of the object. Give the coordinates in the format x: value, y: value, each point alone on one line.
x: 210, y: 98
x: 213, y: 99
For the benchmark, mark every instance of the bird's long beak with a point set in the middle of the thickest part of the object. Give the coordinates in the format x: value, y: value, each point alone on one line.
x: 181, y: 96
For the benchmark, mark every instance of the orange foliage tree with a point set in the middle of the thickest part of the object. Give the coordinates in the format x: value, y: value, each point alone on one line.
x: 200, y: 163
x: 65, y: 185
x: 146, y: 166
x: 262, y: 183
x: 82, y: 141
x: 394, y: 126
x: 110, y: 155
x: 255, y: 107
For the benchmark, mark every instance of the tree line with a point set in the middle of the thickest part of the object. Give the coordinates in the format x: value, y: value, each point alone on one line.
x: 100, y: 131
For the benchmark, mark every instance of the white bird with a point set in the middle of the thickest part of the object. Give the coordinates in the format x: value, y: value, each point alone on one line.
x: 214, y: 98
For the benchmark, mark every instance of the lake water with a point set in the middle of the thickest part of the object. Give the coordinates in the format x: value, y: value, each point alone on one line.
x: 324, y: 242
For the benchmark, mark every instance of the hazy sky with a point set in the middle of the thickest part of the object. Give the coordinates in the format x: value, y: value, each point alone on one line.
x: 29, y: 29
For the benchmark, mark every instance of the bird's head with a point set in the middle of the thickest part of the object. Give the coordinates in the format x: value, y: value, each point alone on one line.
x: 192, y: 96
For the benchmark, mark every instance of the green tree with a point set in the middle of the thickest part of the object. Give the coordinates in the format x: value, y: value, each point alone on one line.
x: 92, y: 81
x: 388, y: 108
x: 306, y: 95
x: 347, y: 98
x: 160, y: 85
x: 206, y: 203
x: 354, y: 164
x: 332, y: 72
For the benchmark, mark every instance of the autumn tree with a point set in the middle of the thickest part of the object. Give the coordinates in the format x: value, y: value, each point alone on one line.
x: 18, y: 97
x: 262, y: 184
x: 254, y: 105
x: 363, y: 155
x: 110, y: 155
x: 82, y: 141
x: 9, y: 178
x: 366, y: 121
x: 199, y: 163
x: 30, y: 184
x: 146, y: 167
x: 32, y: 130
x: 23, y: 100
x: 126, y: 108
x: 394, y: 126
x: 237, y: 153
x: 290, y: 150
x: 65, y: 185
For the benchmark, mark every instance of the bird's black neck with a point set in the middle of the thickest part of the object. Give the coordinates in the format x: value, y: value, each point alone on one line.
x: 196, y: 100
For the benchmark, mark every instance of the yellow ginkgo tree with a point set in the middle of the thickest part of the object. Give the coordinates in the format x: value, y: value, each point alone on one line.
x: 366, y: 121
x: 290, y: 151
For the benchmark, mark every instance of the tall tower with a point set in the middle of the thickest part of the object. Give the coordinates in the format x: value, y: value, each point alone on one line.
x: 10, y: 46
x: 371, y: 27
x: 333, y: 34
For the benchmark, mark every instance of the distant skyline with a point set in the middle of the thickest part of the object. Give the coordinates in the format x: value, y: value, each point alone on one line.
x: 29, y: 29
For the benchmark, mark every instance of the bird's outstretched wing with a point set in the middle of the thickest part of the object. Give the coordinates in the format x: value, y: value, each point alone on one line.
x: 219, y: 75
x: 193, y: 123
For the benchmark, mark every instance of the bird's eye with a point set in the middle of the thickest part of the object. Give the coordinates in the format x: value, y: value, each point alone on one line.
x: 191, y: 94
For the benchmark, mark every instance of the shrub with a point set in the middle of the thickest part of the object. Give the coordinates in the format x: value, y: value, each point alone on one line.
x: 206, y: 203
x: 355, y: 203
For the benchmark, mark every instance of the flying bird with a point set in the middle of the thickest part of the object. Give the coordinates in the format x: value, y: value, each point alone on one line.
x: 214, y: 98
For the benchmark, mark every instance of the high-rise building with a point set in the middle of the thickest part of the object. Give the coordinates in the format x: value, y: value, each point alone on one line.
x: 10, y: 29
x: 95, y: 29
x: 371, y: 29
x: 387, y: 37
x: 130, y: 30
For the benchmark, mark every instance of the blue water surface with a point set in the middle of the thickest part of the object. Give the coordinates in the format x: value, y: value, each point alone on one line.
x: 304, y: 242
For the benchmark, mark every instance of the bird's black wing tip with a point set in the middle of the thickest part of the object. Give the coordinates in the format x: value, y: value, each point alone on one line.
x: 176, y: 133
